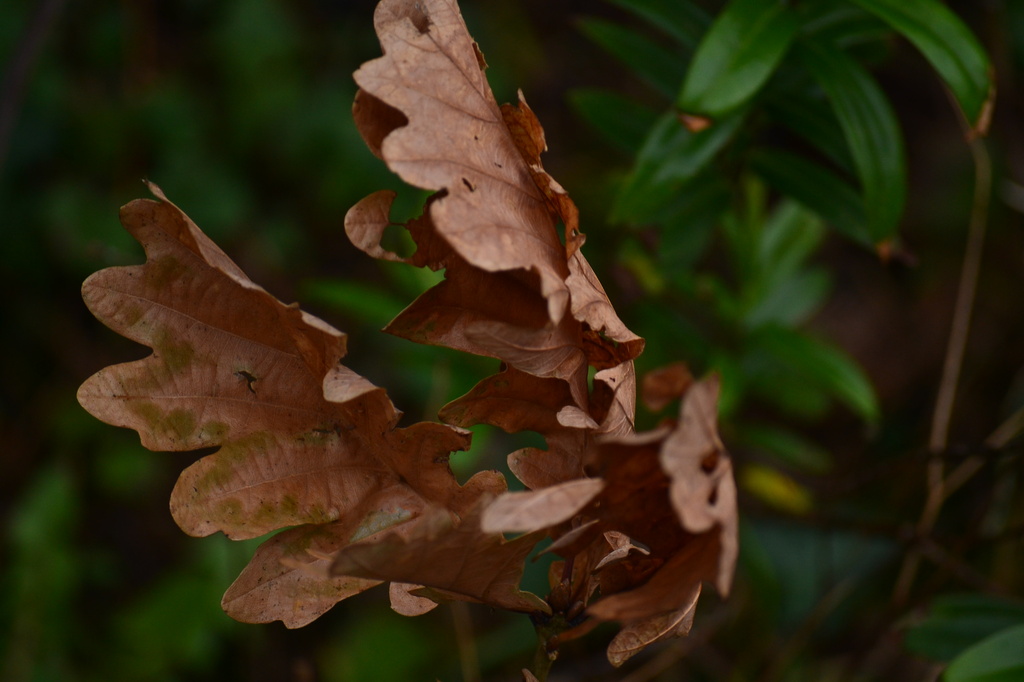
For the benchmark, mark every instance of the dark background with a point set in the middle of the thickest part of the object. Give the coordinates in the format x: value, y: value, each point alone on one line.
x: 239, y: 110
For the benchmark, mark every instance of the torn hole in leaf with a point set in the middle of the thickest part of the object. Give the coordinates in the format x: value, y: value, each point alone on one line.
x: 561, y: 232
x: 396, y: 238
x: 419, y: 17
x: 709, y: 462
x: 249, y: 379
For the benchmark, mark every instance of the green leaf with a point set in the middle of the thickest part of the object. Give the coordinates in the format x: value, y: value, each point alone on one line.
x: 871, y: 132
x: 841, y: 24
x: 688, y: 221
x: 661, y: 68
x: 737, y: 56
x: 950, y: 47
x: 670, y: 157
x: 958, y: 621
x: 621, y: 120
x: 362, y: 302
x: 811, y: 118
x: 817, y: 188
x: 787, y: 446
x: 997, y: 658
x: 790, y: 301
x: 789, y: 237
x: 820, y: 365
x: 684, y: 21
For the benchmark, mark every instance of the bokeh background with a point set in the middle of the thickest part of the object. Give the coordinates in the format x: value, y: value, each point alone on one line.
x: 240, y: 111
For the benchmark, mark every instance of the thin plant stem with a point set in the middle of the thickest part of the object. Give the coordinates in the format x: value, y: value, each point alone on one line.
x: 542, y: 658
x: 468, y: 659
x: 936, y: 481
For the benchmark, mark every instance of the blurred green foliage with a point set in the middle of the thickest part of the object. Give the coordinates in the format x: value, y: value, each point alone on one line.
x: 744, y: 248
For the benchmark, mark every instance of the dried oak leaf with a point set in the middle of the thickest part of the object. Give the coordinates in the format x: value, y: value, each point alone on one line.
x: 300, y: 438
x: 453, y: 559
x: 635, y: 636
x: 665, y: 384
x: 663, y: 522
x: 426, y: 109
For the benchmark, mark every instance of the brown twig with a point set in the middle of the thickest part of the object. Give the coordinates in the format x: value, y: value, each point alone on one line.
x: 938, y: 490
x: 811, y: 624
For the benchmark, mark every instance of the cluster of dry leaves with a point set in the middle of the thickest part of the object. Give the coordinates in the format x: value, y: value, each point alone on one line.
x: 306, y: 445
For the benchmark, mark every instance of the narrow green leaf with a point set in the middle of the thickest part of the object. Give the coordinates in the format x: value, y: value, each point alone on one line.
x: 817, y: 188
x: 997, y: 658
x: 956, y: 622
x: 367, y: 304
x: 737, y: 56
x: 683, y: 20
x: 950, y: 47
x: 688, y: 220
x: 871, y: 132
x: 822, y: 365
x: 790, y: 236
x: 670, y: 156
x: 787, y: 446
x: 789, y: 301
x: 660, y: 67
x: 621, y: 120
x: 811, y: 117
x: 842, y: 24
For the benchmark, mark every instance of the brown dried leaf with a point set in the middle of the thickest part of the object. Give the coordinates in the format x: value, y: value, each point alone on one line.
x: 516, y: 401
x: 703, y: 491
x: 590, y: 305
x: 455, y: 558
x: 665, y: 384
x: 300, y: 438
x: 456, y: 140
x: 405, y: 601
x: 491, y: 225
x: 525, y: 512
x: 669, y: 588
x: 287, y: 578
x: 621, y: 545
x: 637, y: 635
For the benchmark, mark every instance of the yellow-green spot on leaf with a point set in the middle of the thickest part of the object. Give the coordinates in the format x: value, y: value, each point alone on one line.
x: 775, y: 488
x: 175, y: 353
x: 228, y: 458
x: 130, y: 315
x: 181, y: 423
x: 213, y: 432
x: 318, y: 514
x: 288, y: 512
x: 177, y: 425
x: 164, y: 270
x: 230, y: 508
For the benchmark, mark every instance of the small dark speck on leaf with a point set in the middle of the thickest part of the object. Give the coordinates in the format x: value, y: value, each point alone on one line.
x: 249, y: 379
